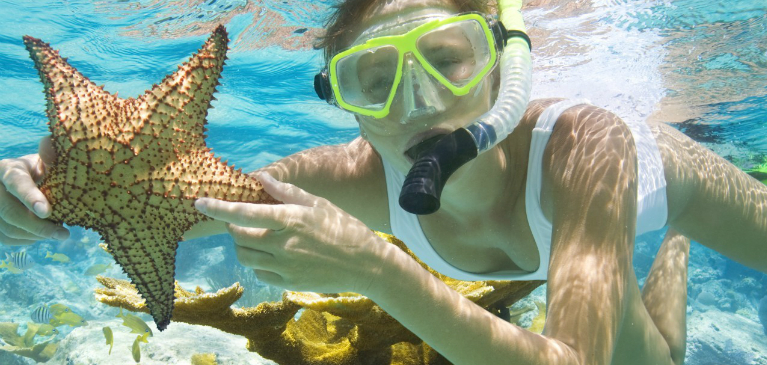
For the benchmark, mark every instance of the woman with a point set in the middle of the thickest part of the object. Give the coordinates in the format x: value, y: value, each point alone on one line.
x: 593, y: 186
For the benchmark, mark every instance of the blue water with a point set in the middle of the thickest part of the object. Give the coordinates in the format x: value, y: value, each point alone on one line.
x: 266, y: 106
x: 700, y: 65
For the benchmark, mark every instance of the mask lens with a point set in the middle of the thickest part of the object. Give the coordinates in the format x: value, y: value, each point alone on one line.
x: 366, y: 78
x: 458, y: 51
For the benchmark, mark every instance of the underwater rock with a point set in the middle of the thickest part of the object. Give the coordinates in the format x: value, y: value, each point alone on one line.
x: 710, y: 340
x: 131, y: 169
x: 749, y: 286
x: 332, y: 329
x: 705, y: 297
x: 718, y: 293
x: 7, y: 358
x: 176, y: 345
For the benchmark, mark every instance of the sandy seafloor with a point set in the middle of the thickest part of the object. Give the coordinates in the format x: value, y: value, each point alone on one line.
x: 700, y: 65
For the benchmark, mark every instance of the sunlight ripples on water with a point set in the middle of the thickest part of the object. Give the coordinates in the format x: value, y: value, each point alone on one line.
x: 690, y: 62
x: 699, y: 64
x: 577, y: 54
x: 254, y: 24
x: 715, y: 71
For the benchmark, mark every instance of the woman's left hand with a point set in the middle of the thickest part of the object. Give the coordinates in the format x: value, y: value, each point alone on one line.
x: 305, y: 244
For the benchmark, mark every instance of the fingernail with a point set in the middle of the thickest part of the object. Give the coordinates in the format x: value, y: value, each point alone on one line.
x: 201, y: 205
x: 60, y: 234
x: 39, y: 209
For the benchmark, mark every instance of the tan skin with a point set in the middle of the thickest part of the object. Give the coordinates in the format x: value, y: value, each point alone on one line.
x: 596, y: 313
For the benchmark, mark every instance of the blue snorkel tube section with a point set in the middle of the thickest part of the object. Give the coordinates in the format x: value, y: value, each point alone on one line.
x: 432, y: 168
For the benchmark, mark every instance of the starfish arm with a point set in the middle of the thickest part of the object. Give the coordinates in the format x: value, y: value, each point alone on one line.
x: 131, y: 169
x: 176, y: 108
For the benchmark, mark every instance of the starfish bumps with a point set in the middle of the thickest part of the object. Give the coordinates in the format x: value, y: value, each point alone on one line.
x: 131, y: 169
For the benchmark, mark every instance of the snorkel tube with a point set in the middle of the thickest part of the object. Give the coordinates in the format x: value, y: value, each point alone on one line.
x: 424, y: 183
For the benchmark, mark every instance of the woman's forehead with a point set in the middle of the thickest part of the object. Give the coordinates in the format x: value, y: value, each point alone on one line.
x: 387, y: 13
x: 384, y: 10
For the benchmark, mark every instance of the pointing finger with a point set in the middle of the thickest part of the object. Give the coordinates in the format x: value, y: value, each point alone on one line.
x: 287, y: 193
x: 46, y: 151
x: 8, y: 241
x: 274, y: 217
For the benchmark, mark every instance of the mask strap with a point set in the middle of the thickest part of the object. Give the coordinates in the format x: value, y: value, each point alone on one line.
x: 322, y: 86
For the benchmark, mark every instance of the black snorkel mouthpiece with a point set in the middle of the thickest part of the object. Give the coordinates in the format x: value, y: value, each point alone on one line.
x: 424, y: 183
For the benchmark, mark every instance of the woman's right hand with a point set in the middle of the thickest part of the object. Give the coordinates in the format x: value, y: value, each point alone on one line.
x: 23, y: 207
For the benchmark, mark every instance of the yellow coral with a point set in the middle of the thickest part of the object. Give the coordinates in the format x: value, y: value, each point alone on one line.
x: 204, y: 359
x: 333, y: 329
x: 25, y: 345
x: 540, y: 320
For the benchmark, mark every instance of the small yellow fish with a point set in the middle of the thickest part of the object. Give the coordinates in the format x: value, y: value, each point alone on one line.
x: 68, y: 318
x: 97, y: 269
x: 9, y: 266
x: 37, y: 329
x: 105, y: 247
x: 136, y: 350
x: 58, y: 308
x: 110, y: 338
x: 60, y: 257
x: 47, y: 330
x: 136, y: 324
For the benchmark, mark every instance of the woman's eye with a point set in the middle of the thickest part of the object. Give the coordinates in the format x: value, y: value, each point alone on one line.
x: 447, y: 62
x: 381, y: 82
x: 376, y: 89
x: 454, y: 68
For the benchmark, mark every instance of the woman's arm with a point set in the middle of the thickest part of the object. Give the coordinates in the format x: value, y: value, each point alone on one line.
x: 592, y: 185
x: 712, y: 201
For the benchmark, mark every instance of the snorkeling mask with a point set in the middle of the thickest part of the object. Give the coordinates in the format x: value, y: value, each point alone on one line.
x: 364, y: 79
x: 456, y: 51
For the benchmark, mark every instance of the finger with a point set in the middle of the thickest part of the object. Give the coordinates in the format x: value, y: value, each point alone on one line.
x: 256, y: 259
x: 261, y: 239
x: 19, y: 182
x: 287, y: 193
x: 46, y: 151
x: 36, y: 167
x: 8, y: 241
x: 12, y: 231
x: 275, y: 217
x: 270, y: 278
x: 15, y: 214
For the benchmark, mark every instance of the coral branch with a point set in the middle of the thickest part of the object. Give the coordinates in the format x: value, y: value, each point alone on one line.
x: 332, y: 329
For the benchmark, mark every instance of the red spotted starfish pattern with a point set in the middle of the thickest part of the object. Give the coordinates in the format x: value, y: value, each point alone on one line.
x: 131, y: 169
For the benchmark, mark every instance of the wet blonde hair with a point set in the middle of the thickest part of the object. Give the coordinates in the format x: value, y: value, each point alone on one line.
x: 347, y: 13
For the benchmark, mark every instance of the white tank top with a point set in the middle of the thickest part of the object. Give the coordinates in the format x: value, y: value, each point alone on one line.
x: 652, y: 209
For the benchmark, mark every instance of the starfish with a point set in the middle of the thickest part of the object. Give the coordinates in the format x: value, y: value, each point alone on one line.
x: 131, y: 169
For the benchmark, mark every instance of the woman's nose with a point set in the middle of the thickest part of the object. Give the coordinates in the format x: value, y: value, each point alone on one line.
x: 420, y: 93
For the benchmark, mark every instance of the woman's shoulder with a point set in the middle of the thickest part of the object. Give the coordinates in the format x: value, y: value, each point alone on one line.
x: 578, y: 112
x: 588, y: 145
x: 579, y: 124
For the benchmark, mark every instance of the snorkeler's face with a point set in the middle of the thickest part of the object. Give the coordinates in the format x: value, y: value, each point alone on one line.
x: 412, y: 119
